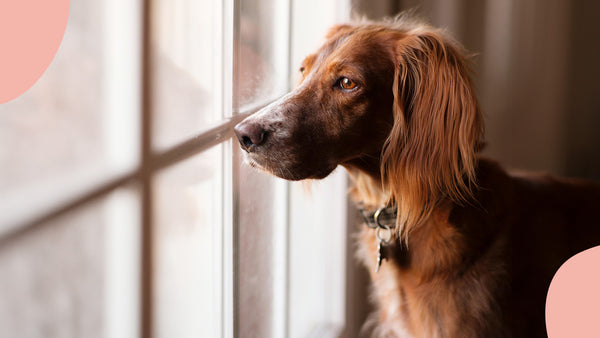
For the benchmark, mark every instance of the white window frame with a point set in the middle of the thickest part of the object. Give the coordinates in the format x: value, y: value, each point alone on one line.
x: 151, y: 161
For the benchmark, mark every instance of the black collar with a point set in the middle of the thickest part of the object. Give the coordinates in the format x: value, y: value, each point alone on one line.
x: 381, y: 218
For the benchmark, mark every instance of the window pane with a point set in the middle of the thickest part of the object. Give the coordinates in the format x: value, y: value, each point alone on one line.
x: 318, y: 257
x: 318, y: 229
x: 262, y: 254
x: 186, y: 68
x: 78, y: 124
x: 75, y: 276
x: 188, y: 246
x: 261, y: 70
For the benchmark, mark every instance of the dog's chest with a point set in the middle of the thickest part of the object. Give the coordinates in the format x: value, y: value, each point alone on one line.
x: 391, y: 317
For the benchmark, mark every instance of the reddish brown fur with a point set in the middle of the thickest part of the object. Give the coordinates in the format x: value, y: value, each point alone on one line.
x: 475, y: 248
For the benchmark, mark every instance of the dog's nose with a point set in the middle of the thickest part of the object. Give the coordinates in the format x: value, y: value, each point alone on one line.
x: 250, y: 135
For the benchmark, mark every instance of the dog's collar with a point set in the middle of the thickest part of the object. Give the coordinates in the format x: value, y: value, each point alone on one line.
x: 384, y: 218
x: 383, y: 221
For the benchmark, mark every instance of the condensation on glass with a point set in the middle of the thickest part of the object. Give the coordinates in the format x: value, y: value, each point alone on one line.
x: 188, y: 247
x: 260, y: 74
x: 186, y: 55
x: 260, y: 69
x: 75, y: 276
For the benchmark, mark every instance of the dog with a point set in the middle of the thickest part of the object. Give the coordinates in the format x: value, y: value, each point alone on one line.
x: 455, y: 246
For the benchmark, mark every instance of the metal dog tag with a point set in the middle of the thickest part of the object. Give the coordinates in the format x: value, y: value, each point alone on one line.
x: 380, y: 256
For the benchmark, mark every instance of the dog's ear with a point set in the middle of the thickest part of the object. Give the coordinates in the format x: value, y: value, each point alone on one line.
x: 438, y: 127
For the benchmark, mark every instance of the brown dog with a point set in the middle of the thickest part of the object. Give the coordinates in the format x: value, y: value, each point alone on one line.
x: 469, y: 250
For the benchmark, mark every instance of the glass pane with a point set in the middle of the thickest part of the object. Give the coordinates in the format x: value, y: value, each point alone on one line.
x: 261, y: 70
x: 186, y: 68
x: 75, y: 276
x: 188, y: 246
x: 262, y: 254
x: 318, y: 229
x: 78, y: 124
x: 318, y: 257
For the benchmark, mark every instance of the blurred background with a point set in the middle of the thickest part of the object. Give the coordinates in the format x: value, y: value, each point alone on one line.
x: 125, y: 209
x: 535, y: 71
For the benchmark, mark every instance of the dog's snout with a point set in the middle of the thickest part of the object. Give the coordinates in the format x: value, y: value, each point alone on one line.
x: 250, y: 135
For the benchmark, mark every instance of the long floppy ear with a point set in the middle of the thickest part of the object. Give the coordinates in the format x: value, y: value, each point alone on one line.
x: 438, y: 128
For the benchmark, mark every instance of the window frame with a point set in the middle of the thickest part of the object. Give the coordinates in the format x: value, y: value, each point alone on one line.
x: 152, y: 160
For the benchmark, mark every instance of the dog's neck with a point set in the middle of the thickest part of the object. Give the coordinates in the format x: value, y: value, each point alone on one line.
x: 369, y: 165
x: 367, y: 189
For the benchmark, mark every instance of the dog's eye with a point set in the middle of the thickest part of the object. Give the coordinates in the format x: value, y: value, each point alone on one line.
x: 302, y: 69
x: 346, y: 83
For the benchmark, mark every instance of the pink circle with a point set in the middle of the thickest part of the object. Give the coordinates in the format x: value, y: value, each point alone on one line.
x: 573, y: 302
x: 30, y: 34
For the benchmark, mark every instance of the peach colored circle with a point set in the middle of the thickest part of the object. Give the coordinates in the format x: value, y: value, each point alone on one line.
x: 573, y: 301
x: 30, y: 33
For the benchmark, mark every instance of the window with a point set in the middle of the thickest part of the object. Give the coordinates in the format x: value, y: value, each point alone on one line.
x: 125, y: 208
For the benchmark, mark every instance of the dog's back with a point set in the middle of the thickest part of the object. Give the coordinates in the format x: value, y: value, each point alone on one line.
x: 536, y: 223
x: 553, y: 219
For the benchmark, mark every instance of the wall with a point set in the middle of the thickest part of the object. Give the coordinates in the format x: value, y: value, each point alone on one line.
x: 535, y: 73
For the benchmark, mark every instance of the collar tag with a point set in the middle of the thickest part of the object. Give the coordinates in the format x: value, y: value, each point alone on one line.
x: 383, y: 220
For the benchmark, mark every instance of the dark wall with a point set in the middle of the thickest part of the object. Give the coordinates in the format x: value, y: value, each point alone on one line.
x: 582, y: 119
x: 537, y: 75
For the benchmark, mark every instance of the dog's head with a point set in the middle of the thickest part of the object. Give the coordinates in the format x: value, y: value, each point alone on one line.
x: 397, y: 95
x: 339, y: 111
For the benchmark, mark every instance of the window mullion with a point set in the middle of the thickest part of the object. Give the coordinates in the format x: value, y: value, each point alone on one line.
x: 229, y: 308
x: 145, y: 181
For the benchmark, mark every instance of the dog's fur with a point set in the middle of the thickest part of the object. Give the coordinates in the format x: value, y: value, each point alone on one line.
x: 475, y: 248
